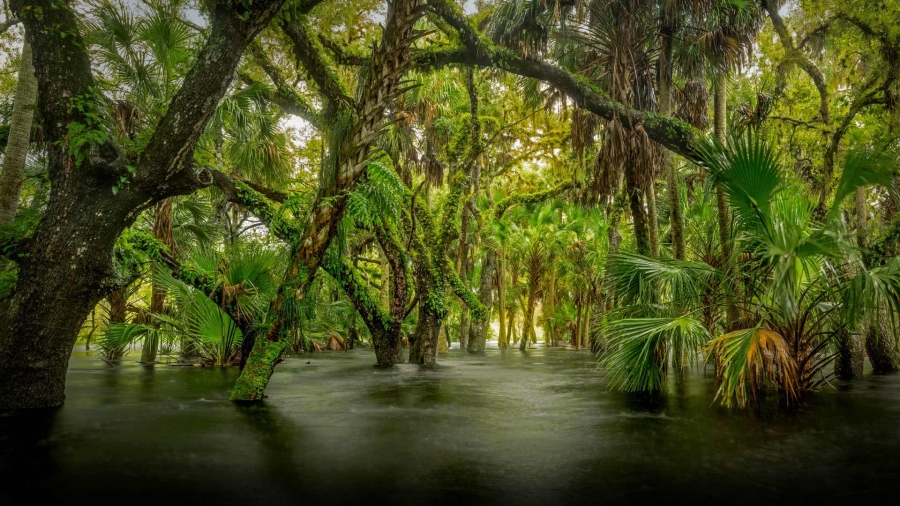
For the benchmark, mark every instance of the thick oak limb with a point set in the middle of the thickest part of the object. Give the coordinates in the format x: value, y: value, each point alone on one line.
x: 61, y: 64
x: 501, y: 207
x: 676, y: 135
x: 258, y: 200
x: 171, y: 147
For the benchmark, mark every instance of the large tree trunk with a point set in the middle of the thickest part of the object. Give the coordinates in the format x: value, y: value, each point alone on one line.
x: 19, y: 138
x: 68, y: 269
x: 424, y: 343
x: 586, y: 327
x: 68, y: 265
x: 486, y: 295
x: 503, y: 337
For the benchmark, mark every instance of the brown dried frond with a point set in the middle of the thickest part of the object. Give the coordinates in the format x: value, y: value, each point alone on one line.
x: 693, y: 104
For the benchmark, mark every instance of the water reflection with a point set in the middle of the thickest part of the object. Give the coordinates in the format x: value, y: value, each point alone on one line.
x: 532, y: 428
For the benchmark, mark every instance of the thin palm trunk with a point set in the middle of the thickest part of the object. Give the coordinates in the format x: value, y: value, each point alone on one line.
x: 676, y: 219
x: 576, y: 337
x: 653, y: 229
x: 163, y: 232
x: 586, y: 328
x: 720, y: 126
x: 19, y: 138
x: 503, y: 337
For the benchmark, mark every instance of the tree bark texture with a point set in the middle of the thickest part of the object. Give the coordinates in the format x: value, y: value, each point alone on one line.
x: 69, y: 264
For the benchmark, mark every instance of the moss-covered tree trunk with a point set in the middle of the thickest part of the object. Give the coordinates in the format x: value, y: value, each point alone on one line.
x: 349, y: 153
x: 68, y: 263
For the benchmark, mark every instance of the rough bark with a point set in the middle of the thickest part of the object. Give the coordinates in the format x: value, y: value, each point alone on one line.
x: 19, y: 138
x: 881, y: 347
x: 486, y: 296
x: 851, y: 354
x: 70, y: 263
x: 638, y: 216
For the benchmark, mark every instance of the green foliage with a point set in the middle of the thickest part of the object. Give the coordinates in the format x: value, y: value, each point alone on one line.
x: 642, y: 347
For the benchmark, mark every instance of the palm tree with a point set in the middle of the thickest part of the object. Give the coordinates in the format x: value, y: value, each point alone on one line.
x: 19, y: 138
x: 806, y: 281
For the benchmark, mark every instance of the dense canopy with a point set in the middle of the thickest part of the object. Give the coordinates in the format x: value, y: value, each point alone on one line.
x: 670, y: 184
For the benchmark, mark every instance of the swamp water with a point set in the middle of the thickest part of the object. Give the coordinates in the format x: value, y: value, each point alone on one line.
x: 522, y: 428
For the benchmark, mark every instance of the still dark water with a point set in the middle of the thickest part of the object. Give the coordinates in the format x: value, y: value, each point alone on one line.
x: 533, y: 428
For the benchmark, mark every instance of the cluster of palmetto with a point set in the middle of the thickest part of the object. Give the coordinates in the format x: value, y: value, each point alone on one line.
x: 800, y: 284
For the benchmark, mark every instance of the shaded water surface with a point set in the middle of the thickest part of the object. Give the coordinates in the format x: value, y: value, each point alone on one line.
x: 533, y: 428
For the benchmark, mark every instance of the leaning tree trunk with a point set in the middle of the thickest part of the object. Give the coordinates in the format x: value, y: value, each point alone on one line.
x: 19, y: 138
x: 382, y: 84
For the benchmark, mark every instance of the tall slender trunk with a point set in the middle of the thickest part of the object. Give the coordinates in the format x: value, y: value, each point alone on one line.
x: 576, y: 337
x: 550, y: 299
x: 676, y: 219
x: 653, y: 229
x: 19, y: 138
x: 163, y: 231
x: 720, y: 126
x: 511, y: 325
x: 586, y: 327
x: 527, y: 325
x: 503, y: 337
